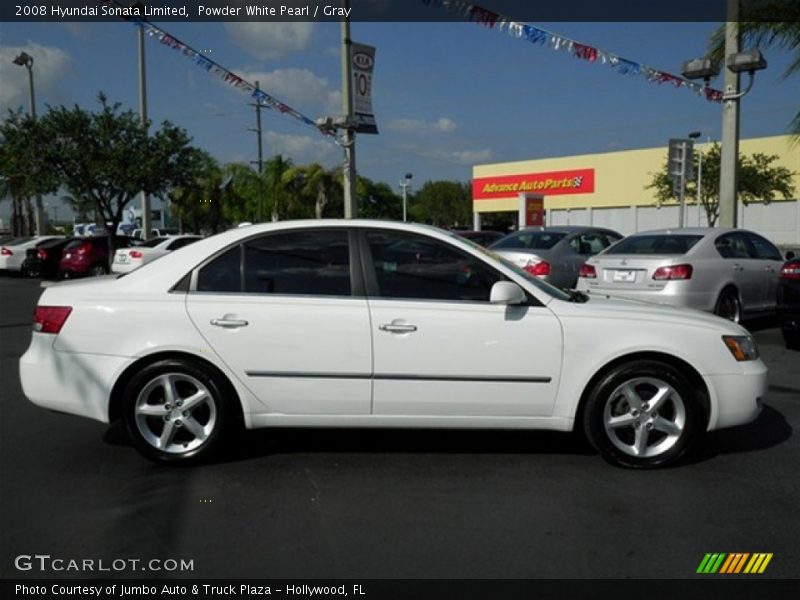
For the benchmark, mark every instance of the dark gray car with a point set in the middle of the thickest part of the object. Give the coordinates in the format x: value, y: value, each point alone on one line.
x: 555, y: 253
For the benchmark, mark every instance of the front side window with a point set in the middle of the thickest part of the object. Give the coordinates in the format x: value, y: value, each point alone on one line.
x: 414, y: 266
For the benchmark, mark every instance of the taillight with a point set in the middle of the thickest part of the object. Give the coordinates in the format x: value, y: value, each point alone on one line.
x: 42, y: 254
x: 50, y: 319
x: 135, y: 254
x: 84, y: 248
x: 790, y: 271
x: 673, y: 272
x: 539, y: 269
x: 587, y: 271
x: 6, y: 252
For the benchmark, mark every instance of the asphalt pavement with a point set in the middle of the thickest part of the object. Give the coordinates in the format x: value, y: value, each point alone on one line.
x: 392, y: 504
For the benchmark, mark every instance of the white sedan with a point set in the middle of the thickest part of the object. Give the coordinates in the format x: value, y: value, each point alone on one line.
x: 128, y: 259
x: 13, y: 253
x: 378, y: 324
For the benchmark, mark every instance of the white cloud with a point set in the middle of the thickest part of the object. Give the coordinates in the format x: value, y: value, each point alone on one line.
x: 469, y: 157
x: 299, y: 88
x: 49, y: 66
x: 440, y: 125
x: 302, y: 149
x: 267, y: 41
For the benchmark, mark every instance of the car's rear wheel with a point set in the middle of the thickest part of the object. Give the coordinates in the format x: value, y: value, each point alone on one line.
x: 175, y: 412
x: 98, y: 270
x: 642, y: 414
x: 728, y: 305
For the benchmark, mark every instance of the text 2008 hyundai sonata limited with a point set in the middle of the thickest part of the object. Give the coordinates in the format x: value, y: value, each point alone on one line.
x: 378, y: 324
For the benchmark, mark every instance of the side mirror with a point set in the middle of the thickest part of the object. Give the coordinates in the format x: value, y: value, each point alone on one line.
x: 507, y: 293
x: 790, y: 255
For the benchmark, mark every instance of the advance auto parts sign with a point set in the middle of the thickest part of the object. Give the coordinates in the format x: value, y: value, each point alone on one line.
x: 578, y: 181
x: 362, y: 58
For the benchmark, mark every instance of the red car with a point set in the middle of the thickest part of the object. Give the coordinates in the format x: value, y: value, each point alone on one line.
x: 88, y: 256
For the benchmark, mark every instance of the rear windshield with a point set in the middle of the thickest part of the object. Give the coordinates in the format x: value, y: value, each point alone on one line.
x: 531, y: 240
x: 655, y: 244
x: 152, y: 243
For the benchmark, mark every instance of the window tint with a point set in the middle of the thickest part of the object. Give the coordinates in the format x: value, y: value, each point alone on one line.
x: 308, y: 262
x: 532, y: 240
x: 413, y: 266
x: 732, y: 245
x: 180, y: 243
x: 223, y: 274
x: 152, y: 243
x: 589, y: 243
x: 656, y: 244
x: 765, y: 250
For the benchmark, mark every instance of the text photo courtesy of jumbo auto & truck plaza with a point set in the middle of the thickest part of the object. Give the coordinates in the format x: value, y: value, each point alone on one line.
x: 609, y: 189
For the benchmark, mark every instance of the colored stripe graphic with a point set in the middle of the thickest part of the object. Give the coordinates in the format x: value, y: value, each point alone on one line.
x: 733, y: 563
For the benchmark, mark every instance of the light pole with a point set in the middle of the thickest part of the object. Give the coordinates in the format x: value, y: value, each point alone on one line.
x: 26, y: 60
x: 349, y: 134
x: 735, y: 62
x: 405, y: 183
x: 693, y: 136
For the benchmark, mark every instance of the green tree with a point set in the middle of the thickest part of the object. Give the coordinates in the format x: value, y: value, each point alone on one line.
x: 759, y: 181
x: 781, y: 32
x: 106, y: 157
x: 376, y: 200
x: 310, y: 189
x: 444, y: 204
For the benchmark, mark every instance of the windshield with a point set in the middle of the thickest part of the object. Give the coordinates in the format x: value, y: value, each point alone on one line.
x: 530, y: 240
x: 152, y: 243
x: 540, y: 284
x: 665, y: 243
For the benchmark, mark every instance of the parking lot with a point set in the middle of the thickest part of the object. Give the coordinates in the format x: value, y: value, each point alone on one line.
x: 394, y: 504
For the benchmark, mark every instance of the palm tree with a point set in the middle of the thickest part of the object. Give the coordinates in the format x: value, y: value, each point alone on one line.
x: 783, y: 32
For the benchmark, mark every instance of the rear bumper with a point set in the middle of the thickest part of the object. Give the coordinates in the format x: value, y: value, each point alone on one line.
x: 78, y: 384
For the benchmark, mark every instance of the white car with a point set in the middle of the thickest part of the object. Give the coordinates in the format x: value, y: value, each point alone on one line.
x: 12, y: 255
x: 376, y: 324
x: 128, y: 259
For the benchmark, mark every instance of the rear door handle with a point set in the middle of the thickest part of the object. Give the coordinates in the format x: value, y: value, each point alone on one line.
x: 398, y: 328
x: 228, y: 323
x: 738, y: 268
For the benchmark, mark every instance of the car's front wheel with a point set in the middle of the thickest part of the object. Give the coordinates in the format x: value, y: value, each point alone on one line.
x: 175, y: 412
x: 642, y: 414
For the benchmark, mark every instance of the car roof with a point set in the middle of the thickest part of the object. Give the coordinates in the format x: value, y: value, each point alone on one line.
x: 689, y: 231
x: 567, y: 229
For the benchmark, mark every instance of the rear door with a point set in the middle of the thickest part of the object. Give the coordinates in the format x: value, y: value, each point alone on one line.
x: 743, y: 267
x: 770, y: 262
x: 284, y: 311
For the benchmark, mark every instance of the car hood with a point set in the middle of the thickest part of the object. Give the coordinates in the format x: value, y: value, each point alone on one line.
x: 630, y: 310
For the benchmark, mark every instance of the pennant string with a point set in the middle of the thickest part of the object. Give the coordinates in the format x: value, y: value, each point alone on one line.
x: 542, y: 37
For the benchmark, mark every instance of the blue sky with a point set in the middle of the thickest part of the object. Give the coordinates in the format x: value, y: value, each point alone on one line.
x: 446, y: 95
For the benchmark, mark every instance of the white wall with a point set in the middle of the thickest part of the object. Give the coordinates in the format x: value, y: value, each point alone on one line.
x: 777, y: 221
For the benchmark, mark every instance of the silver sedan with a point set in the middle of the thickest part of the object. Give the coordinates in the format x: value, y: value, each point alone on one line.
x: 554, y: 254
x: 730, y: 272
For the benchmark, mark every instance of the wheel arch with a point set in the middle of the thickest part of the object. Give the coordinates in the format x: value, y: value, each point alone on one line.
x: 695, y: 379
x: 117, y: 391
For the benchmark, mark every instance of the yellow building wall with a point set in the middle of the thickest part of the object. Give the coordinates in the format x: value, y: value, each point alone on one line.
x: 621, y: 177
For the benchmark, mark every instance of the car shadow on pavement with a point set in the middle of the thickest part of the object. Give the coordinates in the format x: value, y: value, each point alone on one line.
x: 767, y: 431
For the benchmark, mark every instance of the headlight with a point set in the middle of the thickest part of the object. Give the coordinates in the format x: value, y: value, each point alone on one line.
x: 743, y: 347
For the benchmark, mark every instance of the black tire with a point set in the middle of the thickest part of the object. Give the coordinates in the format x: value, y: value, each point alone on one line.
x: 614, y: 425
x: 728, y: 305
x: 791, y: 339
x: 98, y: 270
x: 147, y: 412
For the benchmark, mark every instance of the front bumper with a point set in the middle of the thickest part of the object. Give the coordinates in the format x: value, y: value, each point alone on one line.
x: 78, y: 384
x: 736, y: 398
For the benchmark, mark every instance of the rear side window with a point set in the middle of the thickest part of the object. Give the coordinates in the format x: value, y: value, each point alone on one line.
x: 313, y: 262
x: 656, y: 244
x: 765, y: 250
x: 310, y: 262
x: 590, y: 244
x: 530, y: 240
x: 733, y: 245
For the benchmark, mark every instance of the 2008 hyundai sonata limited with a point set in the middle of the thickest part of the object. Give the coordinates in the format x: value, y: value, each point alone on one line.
x: 378, y: 324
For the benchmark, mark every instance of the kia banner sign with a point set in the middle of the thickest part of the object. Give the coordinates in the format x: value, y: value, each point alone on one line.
x: 362, y: 58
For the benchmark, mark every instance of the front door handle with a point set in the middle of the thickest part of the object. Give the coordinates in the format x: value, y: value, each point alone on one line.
x: 398, y: 328
x: 229, y: 323
x: 738, y: 268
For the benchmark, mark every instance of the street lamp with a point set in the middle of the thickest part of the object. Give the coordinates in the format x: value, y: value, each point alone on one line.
x: 405, y: 183
x: 26, y: 60
x: 736, y: 62
x: 693, y: 136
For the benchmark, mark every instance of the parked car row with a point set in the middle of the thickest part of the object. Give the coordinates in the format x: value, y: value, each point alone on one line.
x: 51, y: 257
